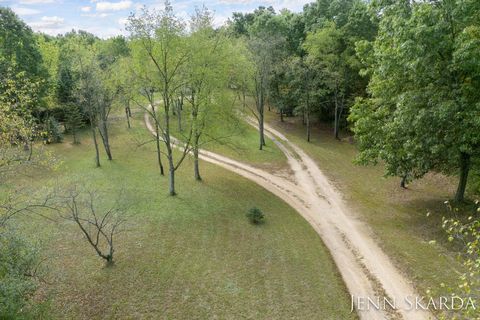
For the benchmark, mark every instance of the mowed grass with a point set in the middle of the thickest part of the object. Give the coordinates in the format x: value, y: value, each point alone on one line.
x: 193, y: 256
x: 396, y: 217
x: 227, y: 135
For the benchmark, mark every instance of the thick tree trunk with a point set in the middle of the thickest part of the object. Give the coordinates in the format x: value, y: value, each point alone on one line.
x: 464, y: 170
x: 97, y: 153
x: 281, y: 115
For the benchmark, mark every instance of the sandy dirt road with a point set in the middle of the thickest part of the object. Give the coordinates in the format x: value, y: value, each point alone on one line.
x: 364, y: 267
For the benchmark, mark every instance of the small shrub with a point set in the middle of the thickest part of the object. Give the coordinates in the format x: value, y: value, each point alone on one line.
x: 255, y: 215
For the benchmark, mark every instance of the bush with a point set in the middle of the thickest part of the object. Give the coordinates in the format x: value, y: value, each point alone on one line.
x: 18, y: 260
x: 255, y: 216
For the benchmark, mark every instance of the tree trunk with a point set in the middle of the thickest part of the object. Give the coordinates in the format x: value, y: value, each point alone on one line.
x: 75, y: 136
x: 171, y: 180
x: 261, y: 132
x: 128, y: 114
x: 159, y: 154
x: 464, y: 170
x: 307, y: 116
x: 97, y: 153
x: 179, y: 117
x: 103, y: 129
x: 403, y: 183
x: 335, y: 129
x: 336, y: 121
x: 196, y: 161
x: 281, y: 115
x: 30, y: 150
x: 157, y: 139
x: 171, y: 165
x: 244, y: 99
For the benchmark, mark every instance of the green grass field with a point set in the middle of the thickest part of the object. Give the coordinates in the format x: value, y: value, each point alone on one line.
x: 193, y: 256
x: 232, y: 137
x: 397, y: 217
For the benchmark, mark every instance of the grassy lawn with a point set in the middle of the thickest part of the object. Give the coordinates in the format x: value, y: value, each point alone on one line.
x: 396, y: 217
x: 232, y: 137
x: 194, y: 256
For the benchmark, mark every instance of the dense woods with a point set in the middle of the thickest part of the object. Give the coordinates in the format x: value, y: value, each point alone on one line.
x: 401, y: 77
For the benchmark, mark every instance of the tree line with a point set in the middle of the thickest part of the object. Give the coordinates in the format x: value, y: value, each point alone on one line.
x: 401, y: 75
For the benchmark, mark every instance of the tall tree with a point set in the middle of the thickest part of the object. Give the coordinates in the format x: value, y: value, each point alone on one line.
x: 206, y: 75
x: 158, y: 39
x: 325, y: 46
x: 421, y: 115
x: 265, y: 51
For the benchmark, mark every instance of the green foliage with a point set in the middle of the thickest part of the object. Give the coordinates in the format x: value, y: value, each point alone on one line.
x: 18, y: 263
x: 74, y: 121
x: 255, y: 216
x: 18, y: 45
x: 466, y: 234
x: 53, y: 131
x: 423, y: 111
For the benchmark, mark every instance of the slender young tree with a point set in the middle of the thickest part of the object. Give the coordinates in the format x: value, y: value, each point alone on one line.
x: 158, y: 44
x: 74, y: 120
x: 325, y: 49
x: 206, y: 75
x: 87, y: 90
x: 262, y: 48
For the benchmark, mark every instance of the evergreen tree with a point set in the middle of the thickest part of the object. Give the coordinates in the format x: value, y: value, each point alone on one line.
x: 74, y: 121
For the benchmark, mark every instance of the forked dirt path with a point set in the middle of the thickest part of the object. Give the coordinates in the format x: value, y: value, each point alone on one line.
x: 365, y: 268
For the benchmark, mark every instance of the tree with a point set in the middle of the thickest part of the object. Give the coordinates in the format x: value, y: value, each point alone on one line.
x: 326, y: 48
x: 109, y: 54
x: 95, y: 90
x: 158, y: 45
x: 18, y: 45
x: 74, y: 121
x: 18, y: 129
x: 306, y: 89
x: 265, y: 50
x: 99, y: 226
x: 424, y: 90
x: 87, y: 91
x: 206, y: 75
x: 124, y: 78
